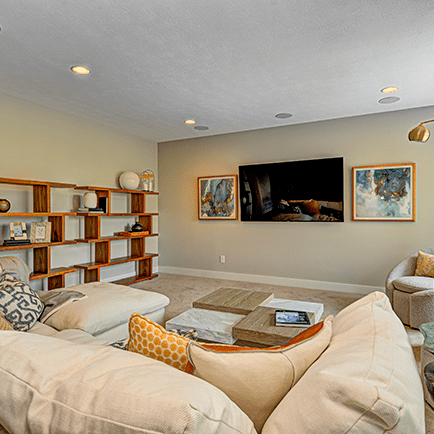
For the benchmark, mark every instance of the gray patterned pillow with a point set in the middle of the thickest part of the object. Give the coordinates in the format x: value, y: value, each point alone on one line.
x: 19, y: 304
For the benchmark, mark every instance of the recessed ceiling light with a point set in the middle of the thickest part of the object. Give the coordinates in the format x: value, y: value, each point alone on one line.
x: 82, y: 70
x: 201, y: 128
x: 189, y: 122
x: 389, y: 89
x: 283, y: 115
x: 389, y: 100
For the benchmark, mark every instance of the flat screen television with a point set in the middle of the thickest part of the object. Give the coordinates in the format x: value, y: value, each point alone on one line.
x: 302, y: 191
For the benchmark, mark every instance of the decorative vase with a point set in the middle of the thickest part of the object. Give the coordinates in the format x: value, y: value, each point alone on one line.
x: 129, y: 180
x: 5, y: 205
x: 90, y: 200
x: 137, y: 228
x: 147, y: 178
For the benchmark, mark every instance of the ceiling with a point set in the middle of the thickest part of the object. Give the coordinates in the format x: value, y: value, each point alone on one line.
x: 229, y: 65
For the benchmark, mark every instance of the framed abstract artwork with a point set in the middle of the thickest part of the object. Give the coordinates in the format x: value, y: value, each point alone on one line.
x: 218, y: 197
x: 385, y: 193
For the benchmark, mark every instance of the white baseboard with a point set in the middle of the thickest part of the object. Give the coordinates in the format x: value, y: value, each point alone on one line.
x: 282, y: 281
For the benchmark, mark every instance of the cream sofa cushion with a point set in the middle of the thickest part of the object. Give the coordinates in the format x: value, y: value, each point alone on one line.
x: 257, y: 379
x: 365, y: 382
x: 55, y: 386
x: 106, y: 306
x: 412, y: 284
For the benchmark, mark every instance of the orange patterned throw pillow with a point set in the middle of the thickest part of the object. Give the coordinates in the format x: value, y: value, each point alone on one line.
x: 152, y: 340
x: 424, y: 265
x: 4, y: 324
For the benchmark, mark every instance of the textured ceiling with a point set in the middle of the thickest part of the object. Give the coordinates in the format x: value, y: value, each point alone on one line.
x: 230, y: 65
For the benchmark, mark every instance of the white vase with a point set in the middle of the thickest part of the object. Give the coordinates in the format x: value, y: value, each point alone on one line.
x: 90, y: 200
x: 129, y: 180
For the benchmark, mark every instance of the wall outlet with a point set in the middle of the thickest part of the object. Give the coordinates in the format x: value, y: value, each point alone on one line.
x: 222, y: 259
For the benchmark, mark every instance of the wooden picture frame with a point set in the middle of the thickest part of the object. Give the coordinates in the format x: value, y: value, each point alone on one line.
x: 218, y: 197
x: 384, y: 193
x: 18, y: 231
x: 40, y: 232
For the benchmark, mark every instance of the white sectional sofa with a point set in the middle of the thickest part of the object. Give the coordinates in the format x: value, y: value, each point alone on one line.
x: 365, y: 381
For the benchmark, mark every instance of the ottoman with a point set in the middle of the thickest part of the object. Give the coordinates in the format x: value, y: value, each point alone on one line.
x: 106, y: 310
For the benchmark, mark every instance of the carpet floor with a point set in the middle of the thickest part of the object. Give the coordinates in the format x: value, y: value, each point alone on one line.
x: 183, y: 290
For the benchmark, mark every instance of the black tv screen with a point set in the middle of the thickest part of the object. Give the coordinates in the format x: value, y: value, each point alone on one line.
x: 305, y: 190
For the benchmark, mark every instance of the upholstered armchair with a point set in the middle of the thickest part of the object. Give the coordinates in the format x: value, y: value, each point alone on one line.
x: 412, y: 297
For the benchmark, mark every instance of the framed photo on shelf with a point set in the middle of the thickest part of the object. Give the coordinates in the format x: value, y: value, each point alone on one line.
x: 218, y: 197
x: 40, y: 232
x: 384, y: 193
x: 18, y: 231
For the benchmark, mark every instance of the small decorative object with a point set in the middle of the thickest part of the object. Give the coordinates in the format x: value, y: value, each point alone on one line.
x: 5, y: 205
x: 18, y: 231
x: 147, y: 178
x: 131, y: 234
x: 90, y: 200
x: 137, y: 228
x: 384, y: 193
x: 40, y: 232
x: 218, y: 197
x: 129, y: 180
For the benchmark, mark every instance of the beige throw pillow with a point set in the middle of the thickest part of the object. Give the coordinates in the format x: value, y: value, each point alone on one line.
x: 424, y: 265
x: 257, y: 379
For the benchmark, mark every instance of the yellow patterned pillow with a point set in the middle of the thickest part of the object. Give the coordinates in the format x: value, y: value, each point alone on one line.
x: 152, y: 340
x: 424, y: 265
x: 4, y: 324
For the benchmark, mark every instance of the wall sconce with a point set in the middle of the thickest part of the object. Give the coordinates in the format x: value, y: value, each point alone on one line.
x: 419, y: 133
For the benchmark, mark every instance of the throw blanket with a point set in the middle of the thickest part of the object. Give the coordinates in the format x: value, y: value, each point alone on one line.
x: 55, y: 300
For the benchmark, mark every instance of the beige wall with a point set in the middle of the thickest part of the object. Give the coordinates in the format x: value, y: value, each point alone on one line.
x: 41, y: 144
x: 344, y: 256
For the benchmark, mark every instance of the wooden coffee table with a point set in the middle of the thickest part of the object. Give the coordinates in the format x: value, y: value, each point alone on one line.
x: 258, y: 328
x: 239, y: 301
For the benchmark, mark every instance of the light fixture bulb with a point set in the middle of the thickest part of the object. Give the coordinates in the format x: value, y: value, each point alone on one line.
x: 189, y: 122
x: 389, y: 89
x: 82, y: 70
x: 419, y: 134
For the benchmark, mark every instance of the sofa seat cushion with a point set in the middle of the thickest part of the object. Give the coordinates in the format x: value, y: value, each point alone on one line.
x: 412, y: 284
x: 257, y: 379
x: 365, y: 382
x: 56, y: 386
x: 106, y: 306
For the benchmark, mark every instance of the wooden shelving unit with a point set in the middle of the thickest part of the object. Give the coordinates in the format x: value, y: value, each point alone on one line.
x: 102, y: 244
x: 42, y: 251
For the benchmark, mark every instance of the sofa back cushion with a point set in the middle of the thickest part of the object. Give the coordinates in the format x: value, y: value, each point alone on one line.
x: 365, y: 382
x: 257, y: 379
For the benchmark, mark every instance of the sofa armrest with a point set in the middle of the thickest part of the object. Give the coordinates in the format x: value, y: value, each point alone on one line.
x: 404, y: 268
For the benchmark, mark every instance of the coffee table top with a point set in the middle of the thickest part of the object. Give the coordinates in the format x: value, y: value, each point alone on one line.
x: 232, y: 300
x: 259, y: 327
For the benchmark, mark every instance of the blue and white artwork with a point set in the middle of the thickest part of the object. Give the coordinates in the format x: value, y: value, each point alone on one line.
x: 384, y: 192
x: 218, y: 197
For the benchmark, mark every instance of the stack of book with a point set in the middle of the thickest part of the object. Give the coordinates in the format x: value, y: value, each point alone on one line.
x: 89, y: 210
x: 16, y: 242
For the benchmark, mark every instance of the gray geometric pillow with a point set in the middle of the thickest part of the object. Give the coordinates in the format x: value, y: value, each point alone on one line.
x: 19, y: 304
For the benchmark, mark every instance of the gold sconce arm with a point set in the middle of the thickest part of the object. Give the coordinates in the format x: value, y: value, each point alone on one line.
x: 419, y: 133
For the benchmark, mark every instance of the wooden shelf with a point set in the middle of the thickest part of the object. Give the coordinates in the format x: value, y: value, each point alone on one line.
x: 133, y: 279
x: 54, y: 272
x: 112, y: 238
x: 36, y: 245
x: 92, y: 233
x: 114, y: 261
x: 36, y: 214
x: 114, y: 190
x: 28, y: 182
